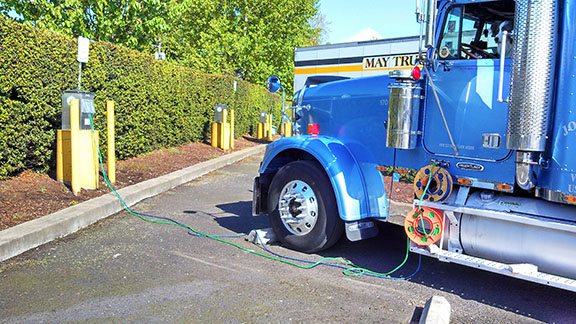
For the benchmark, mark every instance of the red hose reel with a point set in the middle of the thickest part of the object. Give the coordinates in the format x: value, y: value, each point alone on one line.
x: 424, y: 226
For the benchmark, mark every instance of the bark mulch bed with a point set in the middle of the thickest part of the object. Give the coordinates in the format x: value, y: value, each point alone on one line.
x: 31, y: 195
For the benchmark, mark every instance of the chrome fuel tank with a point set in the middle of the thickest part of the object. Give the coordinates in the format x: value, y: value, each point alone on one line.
x: 403, y: 112
x: 521, y: 230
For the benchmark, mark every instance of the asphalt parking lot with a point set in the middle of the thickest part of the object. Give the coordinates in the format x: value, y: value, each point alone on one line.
x: 123, y: 269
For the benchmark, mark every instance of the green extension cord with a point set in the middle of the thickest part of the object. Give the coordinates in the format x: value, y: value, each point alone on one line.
x: 420, y: 213
x: 352, y: 270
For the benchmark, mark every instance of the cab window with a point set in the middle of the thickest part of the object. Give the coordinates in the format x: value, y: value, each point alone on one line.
x: 475, y: 32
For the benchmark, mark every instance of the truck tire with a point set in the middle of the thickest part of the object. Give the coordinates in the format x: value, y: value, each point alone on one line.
x: 302, y: 207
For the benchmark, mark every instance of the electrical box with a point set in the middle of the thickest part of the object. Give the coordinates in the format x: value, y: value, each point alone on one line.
x: 87, y: 158
x: 219, y: 113
x: 263, y: 117
x: 83, y: 49
x: 86, y: 106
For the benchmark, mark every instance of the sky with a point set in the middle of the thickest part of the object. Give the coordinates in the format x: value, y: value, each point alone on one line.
x: 355, y: 20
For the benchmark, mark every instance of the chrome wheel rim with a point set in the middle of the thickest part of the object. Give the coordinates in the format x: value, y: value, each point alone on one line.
x: 298, y: 207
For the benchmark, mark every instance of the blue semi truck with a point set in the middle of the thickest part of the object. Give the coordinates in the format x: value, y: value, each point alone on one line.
x: 482, y: 131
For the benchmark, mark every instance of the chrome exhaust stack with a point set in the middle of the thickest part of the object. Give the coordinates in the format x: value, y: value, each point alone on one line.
x: 531, y: 84
x: 525, y: 174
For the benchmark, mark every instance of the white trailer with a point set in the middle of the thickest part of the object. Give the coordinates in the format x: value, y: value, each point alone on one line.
x: 352, y: 60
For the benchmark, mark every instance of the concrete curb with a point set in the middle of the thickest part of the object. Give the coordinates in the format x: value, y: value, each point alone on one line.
x: 29, y: 235
x: 436, y: 311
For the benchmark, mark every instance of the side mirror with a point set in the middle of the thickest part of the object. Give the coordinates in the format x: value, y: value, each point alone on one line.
x: 273, y: 83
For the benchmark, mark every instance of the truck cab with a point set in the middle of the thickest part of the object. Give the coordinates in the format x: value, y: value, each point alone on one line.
x: 478, y: 132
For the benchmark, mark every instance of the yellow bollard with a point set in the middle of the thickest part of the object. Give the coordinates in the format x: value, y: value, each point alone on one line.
x: 265, y: 125
x: 232, y: 128
x: 269, y: 133
x: 59, y: 156
x: 269, y: 127
x: 74, y: 149
x: 290, y: 130
x: 111, y: 142
x: 284, y: 127
x: 225, y: 131
x: 214, y: 140
x: 287, y: 129
x: 262, y: 122
x: 93, y: 166
x: 260, y: 134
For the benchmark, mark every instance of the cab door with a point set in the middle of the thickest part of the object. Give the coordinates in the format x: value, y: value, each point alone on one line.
x: 465, y: 77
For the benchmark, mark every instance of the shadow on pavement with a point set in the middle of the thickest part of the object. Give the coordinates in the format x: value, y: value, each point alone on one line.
x: 388, y: 250
x: 241, y: 221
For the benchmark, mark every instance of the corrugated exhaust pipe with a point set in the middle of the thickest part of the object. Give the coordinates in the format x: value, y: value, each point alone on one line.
x: 532, y: 77
x: 531, y: 82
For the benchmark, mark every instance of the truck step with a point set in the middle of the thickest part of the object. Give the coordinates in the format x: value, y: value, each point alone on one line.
x: 520, y: 271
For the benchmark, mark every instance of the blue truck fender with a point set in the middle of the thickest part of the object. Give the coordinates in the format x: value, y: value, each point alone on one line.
x: 356, y: 200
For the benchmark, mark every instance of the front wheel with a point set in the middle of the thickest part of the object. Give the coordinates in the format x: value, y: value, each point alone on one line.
x: 303, y: 211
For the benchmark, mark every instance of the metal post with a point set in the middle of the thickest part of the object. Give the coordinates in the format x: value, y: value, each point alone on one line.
x: 79, y: 74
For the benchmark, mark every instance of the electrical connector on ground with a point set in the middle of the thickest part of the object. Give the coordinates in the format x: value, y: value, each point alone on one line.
x: 265, y: 235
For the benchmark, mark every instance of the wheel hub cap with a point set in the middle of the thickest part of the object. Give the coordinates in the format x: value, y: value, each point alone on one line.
x: 298, y: 207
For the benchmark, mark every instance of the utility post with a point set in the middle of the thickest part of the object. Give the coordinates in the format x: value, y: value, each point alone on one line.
x: 159, y: 55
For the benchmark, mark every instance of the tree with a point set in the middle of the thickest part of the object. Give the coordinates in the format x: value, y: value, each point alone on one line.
x: 257, y: 37
x: 254, y: 37
x: 134, y: 23
x: 319, y: 30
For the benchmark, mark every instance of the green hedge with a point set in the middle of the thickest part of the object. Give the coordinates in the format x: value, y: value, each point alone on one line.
x: 157, y: 104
